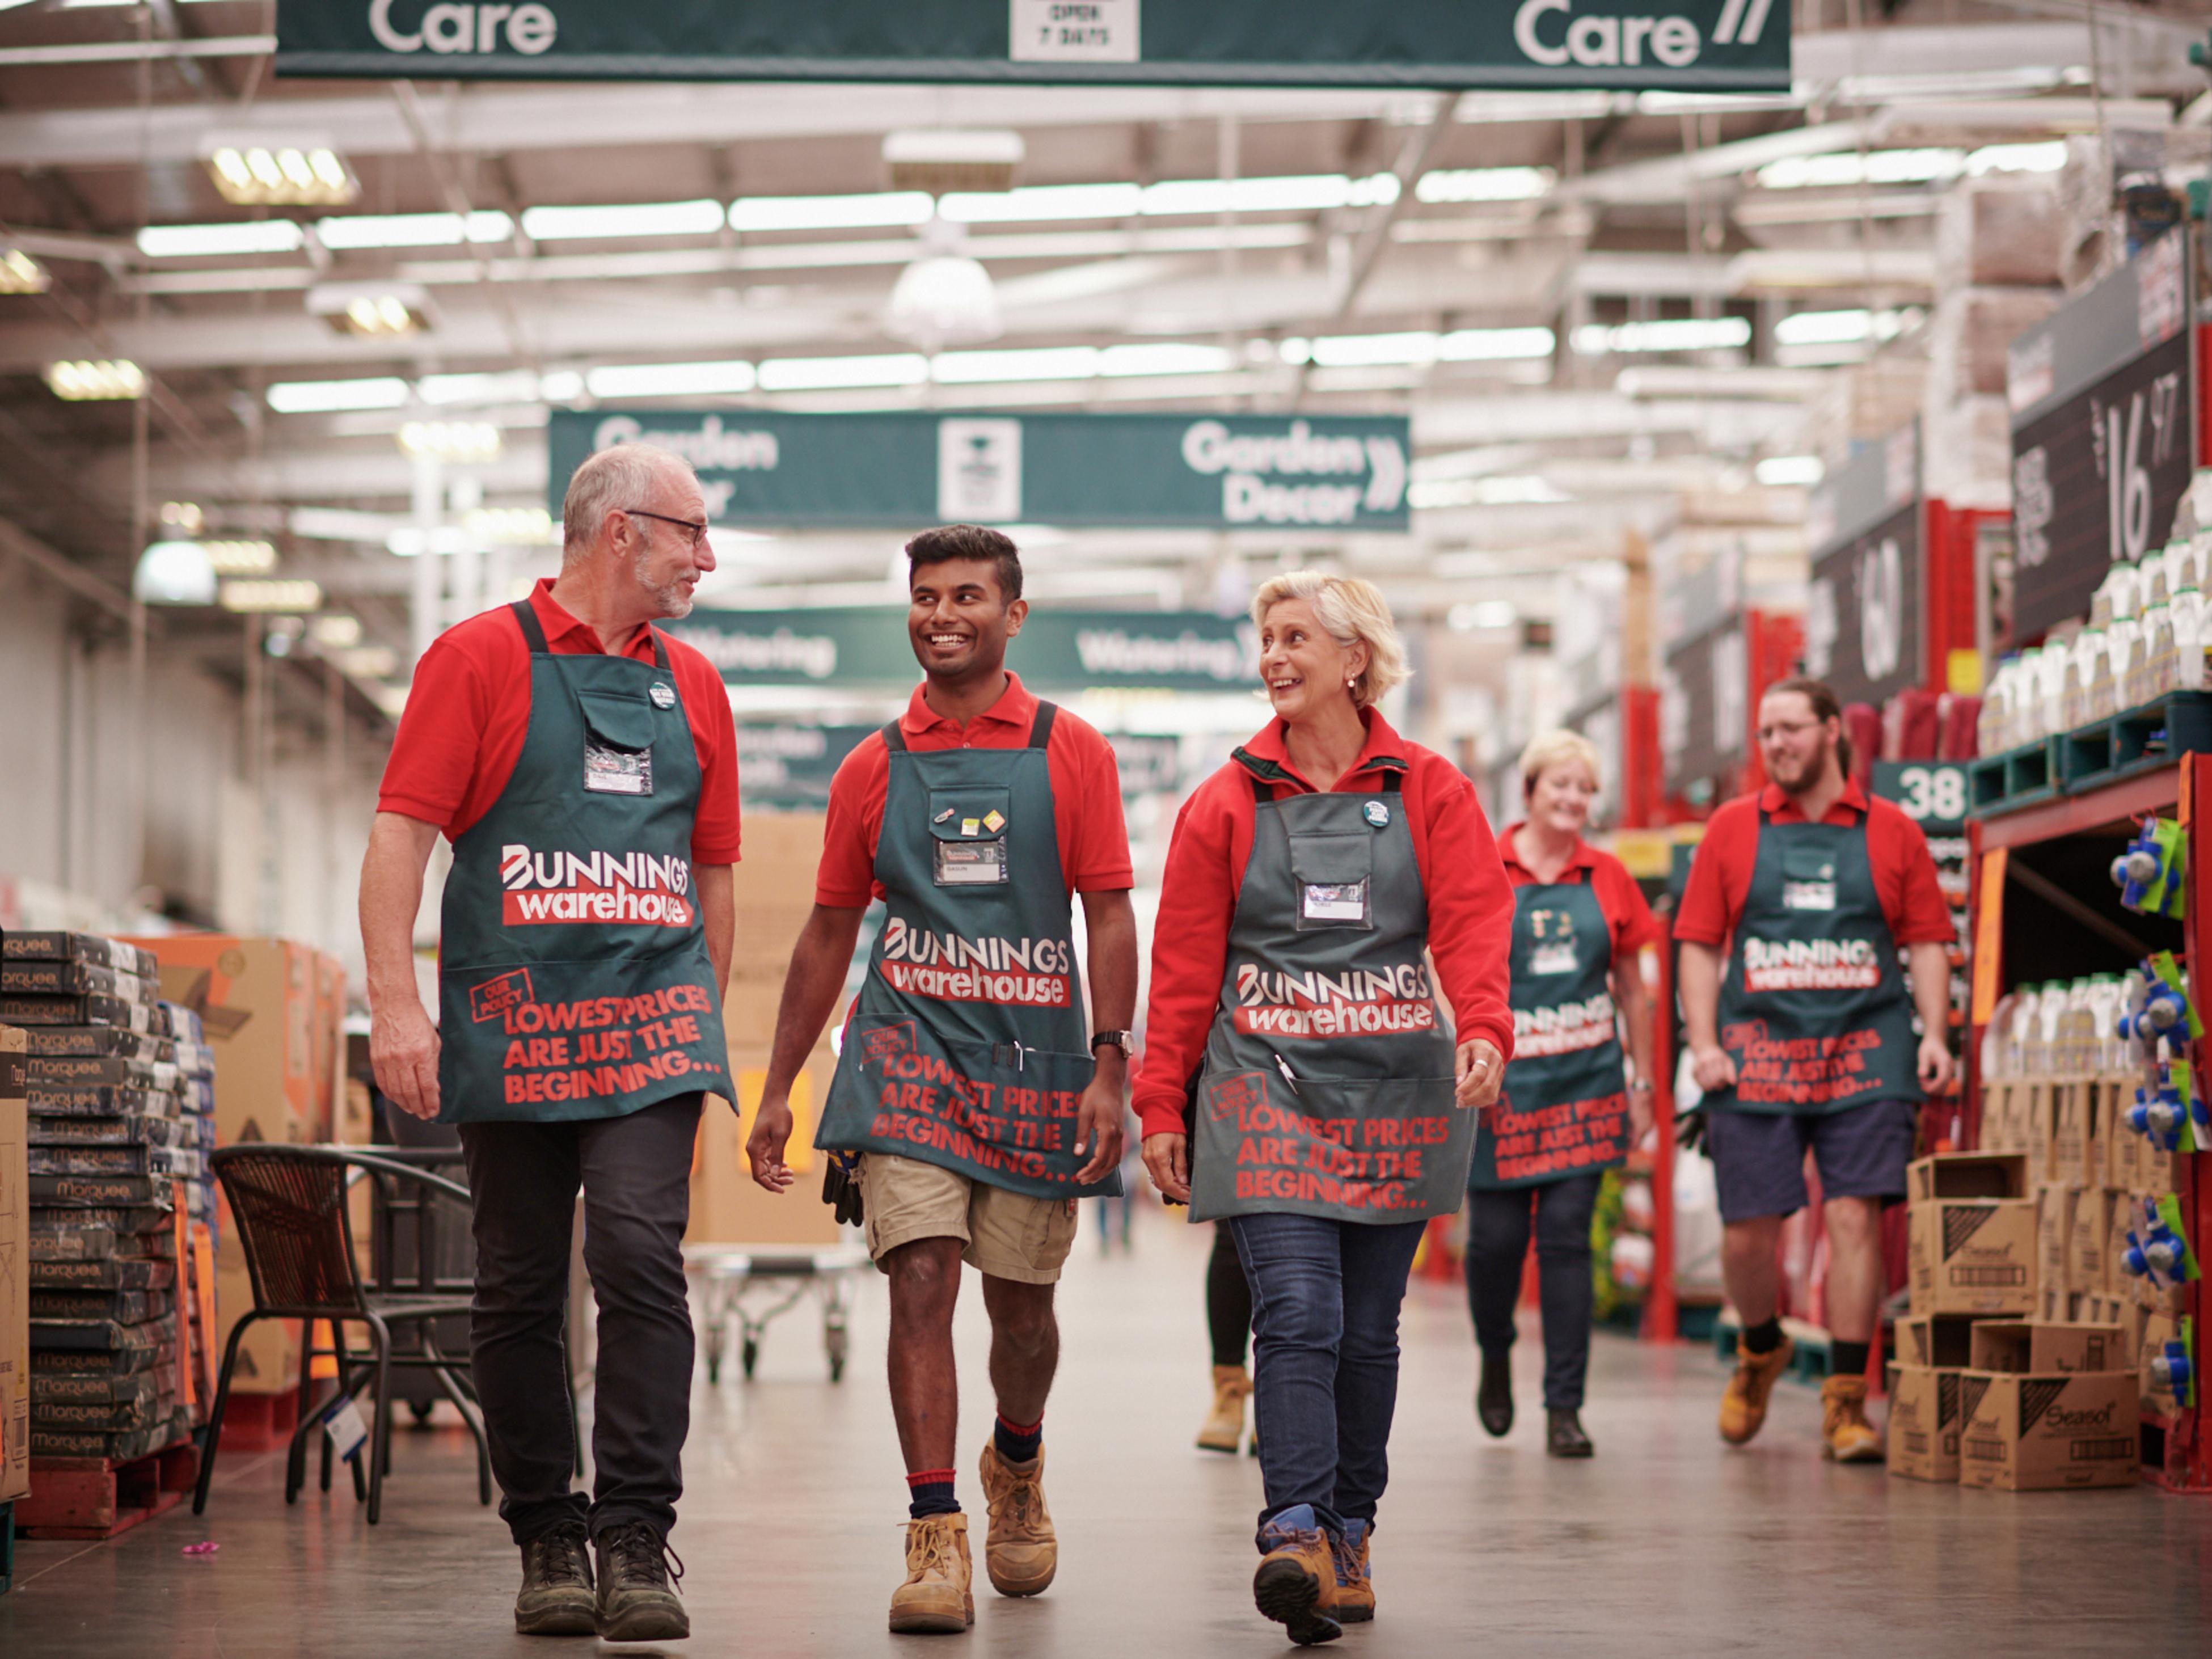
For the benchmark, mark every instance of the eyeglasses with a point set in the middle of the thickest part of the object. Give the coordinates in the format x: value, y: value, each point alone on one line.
x: 698, y: 530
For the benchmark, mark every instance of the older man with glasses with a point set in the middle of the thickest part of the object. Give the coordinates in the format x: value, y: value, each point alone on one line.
x: 584, y: 766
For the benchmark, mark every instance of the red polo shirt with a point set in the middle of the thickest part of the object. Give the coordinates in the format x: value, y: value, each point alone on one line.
x: 1470, y: 905
x: 468, y: 712
x: 1903, y: 871
x: 1627, y: 917
x: 1086, y: 795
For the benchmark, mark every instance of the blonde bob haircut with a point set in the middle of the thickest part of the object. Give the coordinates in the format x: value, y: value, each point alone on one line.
x: 1354, y: 613
x: 1549, y: 749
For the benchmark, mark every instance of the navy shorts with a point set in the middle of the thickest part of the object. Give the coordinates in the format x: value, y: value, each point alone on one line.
x: 1759, y: 1158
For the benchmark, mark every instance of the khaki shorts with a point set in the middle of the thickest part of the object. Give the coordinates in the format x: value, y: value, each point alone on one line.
x: 1007, y: 1235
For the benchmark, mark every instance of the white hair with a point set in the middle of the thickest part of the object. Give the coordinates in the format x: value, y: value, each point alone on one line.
x: 614, y: 480
x: 1354, y: 612
x: 1555, y: 748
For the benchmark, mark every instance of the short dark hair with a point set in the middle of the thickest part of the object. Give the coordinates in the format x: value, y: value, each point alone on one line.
x: 968, y: 541
x: 1826, y: 706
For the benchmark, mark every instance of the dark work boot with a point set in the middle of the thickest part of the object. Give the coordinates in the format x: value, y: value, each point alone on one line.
x: 1564, y: 1436
x: 636, y: 1601
x: 1493, y: 1397
x: 557, y: 1598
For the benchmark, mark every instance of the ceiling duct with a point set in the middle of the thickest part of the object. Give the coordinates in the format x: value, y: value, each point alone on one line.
x: 940, y: 160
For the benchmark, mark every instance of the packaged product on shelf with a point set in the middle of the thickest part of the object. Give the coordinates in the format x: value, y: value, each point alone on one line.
x: 2123, y: 645
x: 2154, y: 675
x: 2188, y: 606
x: 104, y: 1273
x: 99, y: 1043
x: 1970, y: 1233
x: 1932, y: 1352
x: 2048, y: 1406
x: 19, y: 945
x: 143, y: 1017
x: 2089, y: 1247
x: 1993, y: 723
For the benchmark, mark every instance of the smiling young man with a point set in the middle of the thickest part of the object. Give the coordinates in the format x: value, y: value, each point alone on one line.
x: 965, y: 1083
x: 1801, y: 1037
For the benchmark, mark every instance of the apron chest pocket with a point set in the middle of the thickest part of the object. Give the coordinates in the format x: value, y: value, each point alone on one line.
x: 968, y: 836
x: 1333, y: 876
x: 1809, y: 879
x: 618, y: 742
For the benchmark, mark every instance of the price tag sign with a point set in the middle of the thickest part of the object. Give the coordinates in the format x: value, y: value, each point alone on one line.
x: 1932, y: 793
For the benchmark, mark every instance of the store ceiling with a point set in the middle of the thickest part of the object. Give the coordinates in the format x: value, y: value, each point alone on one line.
x: 1424, y: 228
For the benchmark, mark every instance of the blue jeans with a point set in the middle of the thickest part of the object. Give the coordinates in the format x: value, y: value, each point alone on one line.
x: 1497, y: 1243
x: 1325, y: 1300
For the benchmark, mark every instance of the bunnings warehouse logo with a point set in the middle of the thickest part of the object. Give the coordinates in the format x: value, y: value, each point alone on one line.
x: 593, y: 887
x: 1548, y: 33
x: 1252, y: 465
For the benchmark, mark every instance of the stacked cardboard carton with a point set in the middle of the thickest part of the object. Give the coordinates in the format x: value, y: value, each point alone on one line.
x: 15, y: 1303
x: 113, y: 1149
x: 1983, y: 1391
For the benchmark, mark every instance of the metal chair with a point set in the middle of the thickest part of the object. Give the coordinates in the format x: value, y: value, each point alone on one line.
x: 293, y: 1222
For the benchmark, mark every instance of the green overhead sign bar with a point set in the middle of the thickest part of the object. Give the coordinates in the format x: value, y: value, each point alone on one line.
x: 907, y: 471
x: 1062, y: 650
x: 1709, y: 45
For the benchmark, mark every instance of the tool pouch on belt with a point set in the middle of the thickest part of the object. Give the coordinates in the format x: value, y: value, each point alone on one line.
x: 841, y: 1186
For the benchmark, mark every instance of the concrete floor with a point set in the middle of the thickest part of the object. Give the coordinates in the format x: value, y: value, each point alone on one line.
x: 1665, y: 1544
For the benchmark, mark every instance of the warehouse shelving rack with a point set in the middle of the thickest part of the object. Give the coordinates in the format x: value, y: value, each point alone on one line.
x: 2043, y: 908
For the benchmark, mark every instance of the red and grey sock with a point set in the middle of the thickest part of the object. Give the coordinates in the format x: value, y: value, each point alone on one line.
x: 1018, y: 1443
x: 929, y: 1492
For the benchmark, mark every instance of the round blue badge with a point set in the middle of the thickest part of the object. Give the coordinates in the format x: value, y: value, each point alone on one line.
x: 662, y: 696
x: 1377, y: 813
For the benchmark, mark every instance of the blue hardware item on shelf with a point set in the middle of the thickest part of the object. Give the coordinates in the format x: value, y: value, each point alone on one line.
x: 2171, y: 1372
x: 2159, y: 1116
x: 2150, y: 872
x: 2157, y: 1249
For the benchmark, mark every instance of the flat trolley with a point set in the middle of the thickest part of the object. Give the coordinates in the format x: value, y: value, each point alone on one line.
x: 784, y: 1275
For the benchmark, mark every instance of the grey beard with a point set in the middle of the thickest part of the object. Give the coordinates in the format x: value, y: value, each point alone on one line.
x: 669, y: 596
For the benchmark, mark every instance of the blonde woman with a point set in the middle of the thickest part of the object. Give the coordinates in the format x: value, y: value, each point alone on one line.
x: 1568, y: 1112
x: 1299, y: 1080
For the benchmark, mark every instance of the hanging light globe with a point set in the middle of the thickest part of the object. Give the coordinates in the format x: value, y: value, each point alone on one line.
x: 944, y: 298
x: 174, y: 572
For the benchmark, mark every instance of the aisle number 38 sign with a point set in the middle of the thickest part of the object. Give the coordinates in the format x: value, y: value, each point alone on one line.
x: 1933, y: 793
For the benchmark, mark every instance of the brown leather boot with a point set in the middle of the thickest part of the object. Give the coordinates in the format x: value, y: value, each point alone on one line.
x: 1846, y: 1437
x: 1224, y: 1423
x: 1021, y: 1552
x: 1355, y: 1582
x: 935, y: 1599
x: 1743, y: 1407
x: 1296, y: 1584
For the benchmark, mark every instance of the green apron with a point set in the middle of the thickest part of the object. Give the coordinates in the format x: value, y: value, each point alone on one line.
x: 1565, y: 1108
x: 1814, y: 1009
x: 966, y: 1046
x: 1326, y: 1086
x: 573, y: 978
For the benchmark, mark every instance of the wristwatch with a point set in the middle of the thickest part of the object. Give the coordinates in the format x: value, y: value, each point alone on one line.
x: 1125, y: 1041
x: 1641, y: 1086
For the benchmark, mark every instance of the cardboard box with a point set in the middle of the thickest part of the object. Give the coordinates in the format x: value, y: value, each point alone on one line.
x: 257, y: 998
x: 2089, y: 1239
x: 15, y: 1254
x: 268, y: 1359
x: 774, y: 890
x: 2054, y: 1230
x: 2029, y: 1346
x: 2039, y: 1129
x: 727, y: 1207
x: 1932, y: 1351
x: 2084, y: 1122
x: 1970, y: 1233
x: 326, y: 1044
x: 2030, y: 1432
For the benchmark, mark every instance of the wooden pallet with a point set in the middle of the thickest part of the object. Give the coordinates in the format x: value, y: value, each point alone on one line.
x: 93, y: 1497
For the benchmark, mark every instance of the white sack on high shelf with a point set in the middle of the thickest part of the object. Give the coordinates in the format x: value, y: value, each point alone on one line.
x: 1966, y: 452
x: 1862, y: 403
x: 1969, y: 332
x: 2003, y: 229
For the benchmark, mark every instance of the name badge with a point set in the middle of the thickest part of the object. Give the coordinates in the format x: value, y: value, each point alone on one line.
x: 1809, y: 895
x: 617, y: 771
x: 1552, y: 959
x: 970, y: 863
x: 1335, y: 900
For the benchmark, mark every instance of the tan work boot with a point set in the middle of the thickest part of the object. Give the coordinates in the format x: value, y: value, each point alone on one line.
x: 935, y: 1598
x: 1743, y: 1407
x: 1224, y: 1425
x: 1355, y: 1583
x: 1020, y: 1553
x: 1296, y: 1584
x: 1846, y: 1437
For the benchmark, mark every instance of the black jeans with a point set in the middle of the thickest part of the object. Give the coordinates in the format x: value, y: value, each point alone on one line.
x: 1497, y: 1244
x: 635, y: 1172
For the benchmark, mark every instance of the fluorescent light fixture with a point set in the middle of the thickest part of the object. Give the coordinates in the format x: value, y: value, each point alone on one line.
x: 1043, y: 363
x: 1664, y: 334
x: 1463, y: 345
x: 1367, y: 351
x: 831, y: 373
x: 336, y: 632
x: 1038, y: 203
x: 1483, y: 616
x: 184, y: 515
x: 1296, y: 349
x: 326, y: 397
x: 287, y: 597
x: 371, y: 310
x: 240, y: 558
x: 375, y: 230
x: 339, y: 524
x: 20, y: 274
x: 1166, y: 357
x: 367, y: 662
x: 671, y: 379
x: 1840, y: 327
x: 409, y: 541
x: 515, y: 386
x: 1293, y: 193
x: 306, y: 173
x: 898, y: 207
x: 451, y: 440
x: 1879, y: 166
x: 512, y: 526
x: 1778, y: 472
x: 2046, y: 155
x: 210, y: 241
x: 96, y: 380
x: 554, y: 224
x: 1484, y: 185
x: 1487, y: 345
x: 562, y: 385
x: 1431, y: 494
x: 173, y: 573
